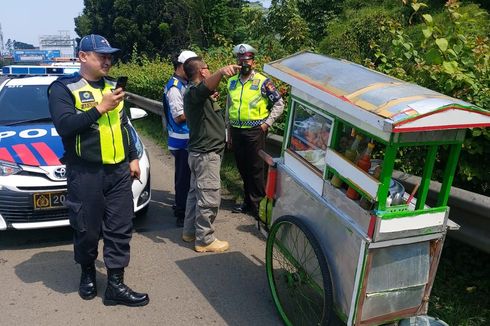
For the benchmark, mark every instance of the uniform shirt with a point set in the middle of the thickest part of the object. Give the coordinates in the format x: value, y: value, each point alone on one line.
x: 269, y: 91
x: 175, y: 101
x: 69, y: 121
x: 205, y: 120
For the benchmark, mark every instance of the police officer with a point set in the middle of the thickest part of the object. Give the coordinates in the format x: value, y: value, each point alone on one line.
x: 178, y: 132
x: 101, y: 161
x: 253, y: 105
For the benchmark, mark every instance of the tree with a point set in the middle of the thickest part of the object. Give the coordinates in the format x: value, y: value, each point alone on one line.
x: 22, y: 45
x: 160, y: 27
x: 290, y: 28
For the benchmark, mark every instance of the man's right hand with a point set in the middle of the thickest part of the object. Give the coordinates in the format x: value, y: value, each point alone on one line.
x: 229, y: 70
x: 110, y: 101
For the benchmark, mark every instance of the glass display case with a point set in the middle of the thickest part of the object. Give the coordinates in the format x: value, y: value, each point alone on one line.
x: 310, y: 135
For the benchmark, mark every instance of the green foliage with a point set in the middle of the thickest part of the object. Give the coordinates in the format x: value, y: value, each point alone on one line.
x: 461, y: 292
x: 161, y: 27
x: 145, y: 77
x: 450, y: 55
x: 348, y: 36
x: 290, y: 27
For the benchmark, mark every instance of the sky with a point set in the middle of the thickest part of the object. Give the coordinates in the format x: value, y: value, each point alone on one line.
x: 25, y: 21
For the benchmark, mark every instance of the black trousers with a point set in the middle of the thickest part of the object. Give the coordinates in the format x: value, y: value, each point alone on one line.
x: 182, y: 179
x: 246, y: 145
x: 100, y: 202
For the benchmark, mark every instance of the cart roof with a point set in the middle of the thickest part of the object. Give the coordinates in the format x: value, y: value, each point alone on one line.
x: 386, y: 103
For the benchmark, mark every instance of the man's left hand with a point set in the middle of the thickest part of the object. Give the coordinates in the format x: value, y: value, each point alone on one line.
x: 134, y: 168
x: 264, y: 127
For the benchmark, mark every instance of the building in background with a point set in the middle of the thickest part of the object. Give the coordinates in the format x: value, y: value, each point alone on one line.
x: 61, y: 42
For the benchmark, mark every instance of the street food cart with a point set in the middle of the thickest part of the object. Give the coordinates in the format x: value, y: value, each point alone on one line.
x: 345, y: 241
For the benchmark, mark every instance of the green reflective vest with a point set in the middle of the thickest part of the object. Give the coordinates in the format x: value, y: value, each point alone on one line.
x: 107, y: 141
x: 248, y: 108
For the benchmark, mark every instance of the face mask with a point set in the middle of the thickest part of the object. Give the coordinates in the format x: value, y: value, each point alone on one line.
x: 245, y: 69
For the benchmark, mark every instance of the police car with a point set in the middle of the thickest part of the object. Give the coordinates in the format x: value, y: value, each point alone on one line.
x: 32, y: 178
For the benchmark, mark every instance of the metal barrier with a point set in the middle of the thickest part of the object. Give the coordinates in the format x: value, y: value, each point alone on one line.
x: 470, y: 210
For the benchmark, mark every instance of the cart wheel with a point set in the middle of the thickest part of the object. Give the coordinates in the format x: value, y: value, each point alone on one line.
x: 298, y: 274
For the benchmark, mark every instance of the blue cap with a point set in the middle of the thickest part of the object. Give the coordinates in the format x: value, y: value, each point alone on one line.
x: 96, y: 43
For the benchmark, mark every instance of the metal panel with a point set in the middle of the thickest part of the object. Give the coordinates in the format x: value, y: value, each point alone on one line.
x: 397, y: 279
x: 410, y: 226
x: 309, y: 177
x: 354, y: 174
x: 341, y: 240
x: 378, y: 304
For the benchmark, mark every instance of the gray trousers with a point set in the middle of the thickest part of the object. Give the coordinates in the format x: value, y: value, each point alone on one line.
x: 204, y: 196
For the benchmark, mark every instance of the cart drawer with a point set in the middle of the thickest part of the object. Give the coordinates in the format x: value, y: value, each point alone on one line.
x: 397, y: 279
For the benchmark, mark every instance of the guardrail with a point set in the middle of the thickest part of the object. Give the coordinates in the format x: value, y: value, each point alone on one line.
x: 470, y: 210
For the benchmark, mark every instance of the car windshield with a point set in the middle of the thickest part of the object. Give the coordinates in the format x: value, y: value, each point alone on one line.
x: 23, y: 103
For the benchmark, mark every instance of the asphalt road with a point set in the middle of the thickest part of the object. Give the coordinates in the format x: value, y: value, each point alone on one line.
x: 39, y: 279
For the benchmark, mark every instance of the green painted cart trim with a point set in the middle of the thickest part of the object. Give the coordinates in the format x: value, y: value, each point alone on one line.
x: 448, y: 177
x: 334, y: 142
x: 429, y: 143
x: 430, y: 159
x: 289, y: 116
x: 391, y: 215
x: 386, y: 173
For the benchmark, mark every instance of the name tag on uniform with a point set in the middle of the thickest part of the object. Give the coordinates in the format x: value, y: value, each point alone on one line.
x: 255, y: 84
x: 233, y: 84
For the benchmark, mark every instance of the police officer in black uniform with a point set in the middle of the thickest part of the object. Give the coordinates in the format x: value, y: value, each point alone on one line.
x: 101, y: 161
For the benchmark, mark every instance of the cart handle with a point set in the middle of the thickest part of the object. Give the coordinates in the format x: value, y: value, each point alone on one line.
x: 267, y: 158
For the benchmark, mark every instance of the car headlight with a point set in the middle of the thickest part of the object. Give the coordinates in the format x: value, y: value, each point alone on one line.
x: 8, y: 168
x: 137, y: 142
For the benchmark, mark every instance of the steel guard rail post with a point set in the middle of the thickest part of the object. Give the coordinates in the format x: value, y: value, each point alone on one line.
x: 468, y: 209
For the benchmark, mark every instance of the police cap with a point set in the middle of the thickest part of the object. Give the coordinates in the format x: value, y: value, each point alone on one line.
x: 244, y: 51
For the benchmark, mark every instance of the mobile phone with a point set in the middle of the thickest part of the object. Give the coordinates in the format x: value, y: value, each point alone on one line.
x: 121, y: 82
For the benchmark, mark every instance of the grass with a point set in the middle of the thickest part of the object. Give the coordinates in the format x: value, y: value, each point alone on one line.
x: 461, y: 292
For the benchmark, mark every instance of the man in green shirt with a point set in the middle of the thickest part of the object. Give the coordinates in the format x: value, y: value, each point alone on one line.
x: 206, y: 123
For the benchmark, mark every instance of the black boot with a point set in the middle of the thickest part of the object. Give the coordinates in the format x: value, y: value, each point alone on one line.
x: 88, y: 288
x: 119, y: 293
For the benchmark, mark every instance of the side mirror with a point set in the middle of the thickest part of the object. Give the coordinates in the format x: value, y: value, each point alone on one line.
x: 137, y: 113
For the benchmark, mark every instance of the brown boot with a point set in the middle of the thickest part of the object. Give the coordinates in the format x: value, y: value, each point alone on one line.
x: 215, y: 246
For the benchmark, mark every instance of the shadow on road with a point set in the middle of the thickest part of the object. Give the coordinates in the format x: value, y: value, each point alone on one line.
x: 158, y: 224
x: 29, y: 239
x: 56, y: 270
x: 229, y: 272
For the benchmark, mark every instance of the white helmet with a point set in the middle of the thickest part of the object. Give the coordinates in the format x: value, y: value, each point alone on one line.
x: 186, y: 54
x: 244, y: 51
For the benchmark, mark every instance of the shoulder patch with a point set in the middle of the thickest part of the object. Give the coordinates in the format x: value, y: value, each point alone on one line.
x: 86, y: 96
x: 233, y: 84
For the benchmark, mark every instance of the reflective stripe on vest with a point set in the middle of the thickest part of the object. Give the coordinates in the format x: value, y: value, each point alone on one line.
x: 178, y: 133
x: 106, y: 141
x: 248, y: 107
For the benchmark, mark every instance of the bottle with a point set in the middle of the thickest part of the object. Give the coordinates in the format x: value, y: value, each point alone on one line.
x: 350, y: 154
x: 364, y: 163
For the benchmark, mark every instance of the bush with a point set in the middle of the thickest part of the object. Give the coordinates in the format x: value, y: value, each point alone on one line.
x: 348, y: 36
x: 449, y: 53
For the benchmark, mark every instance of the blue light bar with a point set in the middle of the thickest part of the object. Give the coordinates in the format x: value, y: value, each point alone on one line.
x: 38, y: 70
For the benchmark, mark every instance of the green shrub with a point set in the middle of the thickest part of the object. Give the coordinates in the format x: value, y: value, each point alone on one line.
x: 348, y: 36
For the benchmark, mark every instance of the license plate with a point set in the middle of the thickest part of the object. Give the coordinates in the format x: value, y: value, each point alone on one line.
x: 49, y: 200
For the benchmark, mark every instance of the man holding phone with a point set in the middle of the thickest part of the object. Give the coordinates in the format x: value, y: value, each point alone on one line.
x: 101, y: 161
x: 253, y: 104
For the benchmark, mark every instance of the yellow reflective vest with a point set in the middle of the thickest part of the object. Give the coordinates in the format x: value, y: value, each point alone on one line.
x: 107, y: 141
x: 248, y: 108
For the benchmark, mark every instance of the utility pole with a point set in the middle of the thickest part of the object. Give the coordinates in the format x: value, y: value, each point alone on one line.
x: 2, y: 46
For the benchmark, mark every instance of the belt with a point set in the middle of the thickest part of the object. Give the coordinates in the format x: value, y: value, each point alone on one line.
x: 246, y: 124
